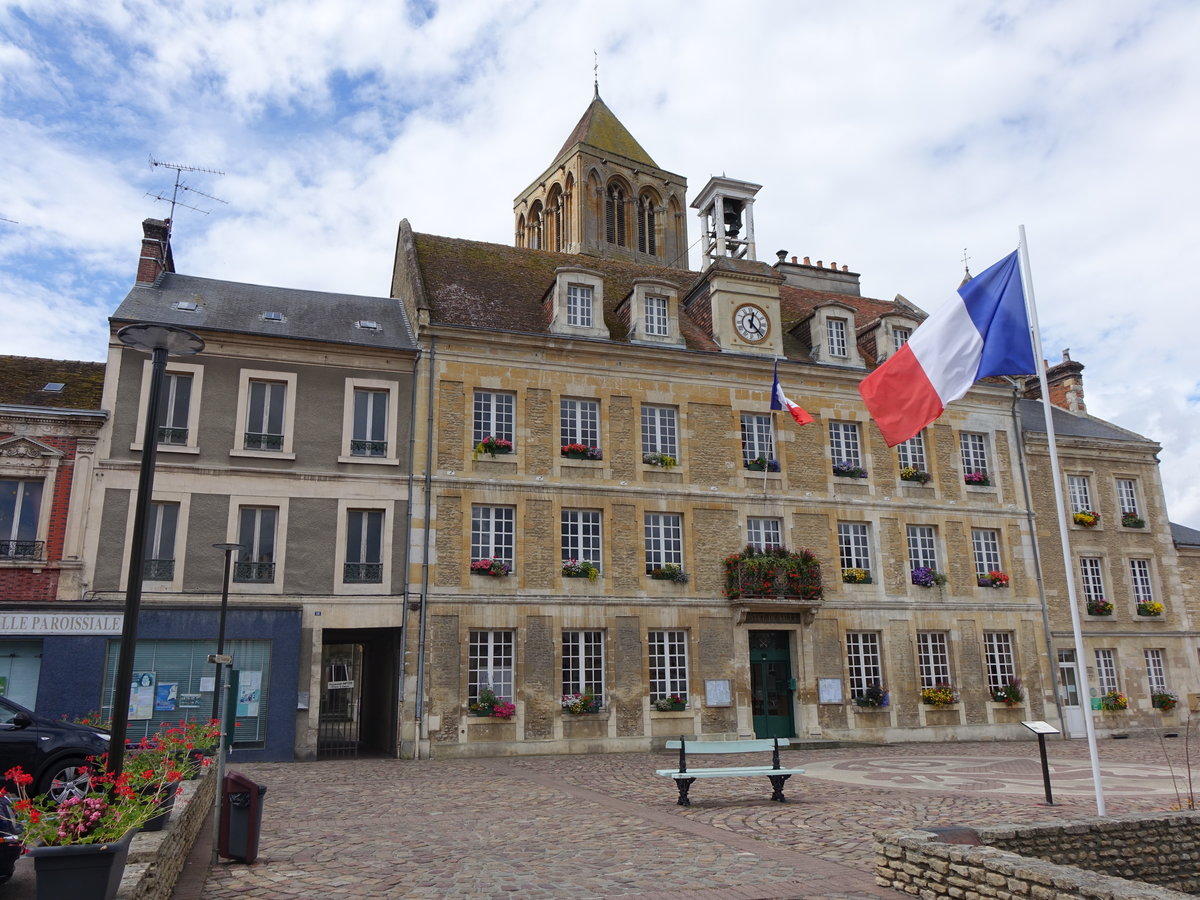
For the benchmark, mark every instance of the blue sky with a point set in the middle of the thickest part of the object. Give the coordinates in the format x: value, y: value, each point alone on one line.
x: 887, y: 137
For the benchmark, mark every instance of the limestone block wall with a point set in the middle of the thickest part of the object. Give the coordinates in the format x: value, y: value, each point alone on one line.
x: 157, y: 857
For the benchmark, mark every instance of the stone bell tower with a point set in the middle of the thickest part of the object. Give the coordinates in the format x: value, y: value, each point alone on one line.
x: 726, y: 208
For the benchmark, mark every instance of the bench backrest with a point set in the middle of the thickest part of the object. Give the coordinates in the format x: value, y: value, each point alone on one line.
x: 750, y: 746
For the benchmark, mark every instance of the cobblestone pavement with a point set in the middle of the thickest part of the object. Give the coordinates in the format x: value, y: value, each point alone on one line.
x: 605, y: 826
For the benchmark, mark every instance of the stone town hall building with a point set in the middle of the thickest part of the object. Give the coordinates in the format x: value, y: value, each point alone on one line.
x: 423, y: 483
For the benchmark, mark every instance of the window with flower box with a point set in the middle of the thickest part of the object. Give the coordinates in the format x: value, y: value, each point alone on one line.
x: 494, y: 414
x: 973, y: 450
x: 844, y: 443
x: 1106, y: 670
x: 492, y: 531
x: 660, y: 431
x: 664, y: 540
x: 583, y: 663
x: 933, y: 658
x: 581, y: 536
x: 579, y: 422
x: 922, y: 547
x: 668, y: 655
x: 758, y: 438
x: 864, y: 667
x: 1156, y: 672
x: 854, y: 546
x: 764, y: 533
x: 999, y: 659
x: 911, y: 453
x: 1079, y: 490
x: 1127, y: 500
x: 985, y: 543
x: 1139, y: 579
x: 1092, y: 578
x: 490, y: 665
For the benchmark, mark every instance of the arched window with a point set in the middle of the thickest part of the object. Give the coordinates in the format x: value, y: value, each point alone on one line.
x: 614, y: 216
x: 645, y: 225
x: 555, y: 238
x: 521, y: 230
x: 535, y: 227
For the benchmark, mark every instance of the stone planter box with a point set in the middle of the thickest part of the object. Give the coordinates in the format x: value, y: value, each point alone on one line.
x: 501, y: 465
x: 872, y: 716
x: 588, y: 726
x: 851, y: 487
x: 661, y: 476
x: 581, y: 468
x: 1008, y: 715
x: 673, y: 723
x: 485, y: 728
x: 941, y: 715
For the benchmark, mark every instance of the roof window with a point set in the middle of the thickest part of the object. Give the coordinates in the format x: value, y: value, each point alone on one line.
x: 54, y: 387
x: 185, y: 305
x: 368, y: 324
x: 272, y: 317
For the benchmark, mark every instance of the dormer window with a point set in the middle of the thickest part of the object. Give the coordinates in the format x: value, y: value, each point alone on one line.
x: 656, y: 316
x: 653, y: 312
x: 832, y: 335
x: 576, y: 303
x: 892, y: 333
x: 579, y: 305
x: 836, y: 335
x: 900, y: 336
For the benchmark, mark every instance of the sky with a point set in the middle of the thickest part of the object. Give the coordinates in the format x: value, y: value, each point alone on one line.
x: 896, y: 139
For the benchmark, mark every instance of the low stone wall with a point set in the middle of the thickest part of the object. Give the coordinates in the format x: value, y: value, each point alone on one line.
x: 1147, y: 856
x: 157, y: 857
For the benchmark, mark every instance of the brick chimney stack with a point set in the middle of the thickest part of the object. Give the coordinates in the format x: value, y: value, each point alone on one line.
x: 156, y: 255
x: 1065, y: 381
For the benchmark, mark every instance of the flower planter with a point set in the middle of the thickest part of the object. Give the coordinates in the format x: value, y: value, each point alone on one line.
x: 941, y: 715
x: 489, y: 729
x: 1100, y: 609
x: 589, y: 726
x: 81, y: 871
x: 159, y: 822
x: 1151, y: 610
x: 872, y: 717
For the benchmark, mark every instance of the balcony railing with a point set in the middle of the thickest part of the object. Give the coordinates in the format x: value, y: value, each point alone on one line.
x: 254, y: 572
x: 368, y: 448
x: 256, y: 441
x: 177, y: 436
x: 363, y: 573
x: 21, y: 549
x: 158, y: 569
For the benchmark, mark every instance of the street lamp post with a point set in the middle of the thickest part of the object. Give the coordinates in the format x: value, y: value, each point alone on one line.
x: 160, y: 341
x: 228, y: 549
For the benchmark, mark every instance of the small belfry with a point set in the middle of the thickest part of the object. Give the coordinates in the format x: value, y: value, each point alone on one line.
x: 603, y: 195
x: 726, y: 208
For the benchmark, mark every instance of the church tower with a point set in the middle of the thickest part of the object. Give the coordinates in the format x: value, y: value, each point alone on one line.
x: 604, y: 196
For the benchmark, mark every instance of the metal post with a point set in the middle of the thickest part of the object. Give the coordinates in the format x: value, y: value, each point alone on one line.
x: 228, y: 549
x: 159, y: 341
x: 1045, y: 769
x: 219, y: 792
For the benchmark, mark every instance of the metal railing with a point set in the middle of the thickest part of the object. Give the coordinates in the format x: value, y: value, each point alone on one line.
x: 368, y: 448
x: 255, y: 572
x: 158, y: 569
x: 22, y: 549
x: 167, y: 435
x: 363, y: 573
x: 257, y: 441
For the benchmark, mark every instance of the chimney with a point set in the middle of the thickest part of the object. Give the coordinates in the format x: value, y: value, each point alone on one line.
x: 1065, y: 383
x: 156, y: 255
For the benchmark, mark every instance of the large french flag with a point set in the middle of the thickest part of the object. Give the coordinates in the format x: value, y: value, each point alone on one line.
x: 779, y: 401
x: 983, y: 331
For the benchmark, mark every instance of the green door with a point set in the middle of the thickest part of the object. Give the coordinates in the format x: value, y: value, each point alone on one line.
x: 771, y: 685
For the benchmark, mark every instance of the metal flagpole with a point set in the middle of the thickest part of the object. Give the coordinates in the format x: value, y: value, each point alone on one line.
x: 1064, y: 536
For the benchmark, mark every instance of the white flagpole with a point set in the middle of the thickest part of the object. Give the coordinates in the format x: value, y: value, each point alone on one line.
x: 1063, y: 533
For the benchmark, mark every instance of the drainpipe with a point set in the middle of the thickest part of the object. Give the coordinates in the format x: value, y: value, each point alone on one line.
x: 420, y: 701
x: 403, y: 667
x: 1037, y: 558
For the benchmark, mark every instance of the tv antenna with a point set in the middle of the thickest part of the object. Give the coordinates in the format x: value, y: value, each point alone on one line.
x: 13, y: 221
x: 181, y: 186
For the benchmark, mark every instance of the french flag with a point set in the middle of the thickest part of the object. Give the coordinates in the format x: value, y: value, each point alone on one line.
x: 779, y: 401
x: 983, y: 331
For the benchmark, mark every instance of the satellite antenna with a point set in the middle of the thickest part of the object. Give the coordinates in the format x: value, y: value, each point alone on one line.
x: 180, y: 186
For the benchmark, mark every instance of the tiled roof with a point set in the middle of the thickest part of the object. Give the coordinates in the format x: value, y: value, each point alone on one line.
x: 22, y: 379
x: 601, y: 129
x: 232, y: 306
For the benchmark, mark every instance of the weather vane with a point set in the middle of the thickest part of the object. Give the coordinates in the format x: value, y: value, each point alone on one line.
x: 596, y: 72
x: 965, y: 259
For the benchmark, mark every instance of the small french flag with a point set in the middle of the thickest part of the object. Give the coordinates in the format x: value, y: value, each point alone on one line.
x: 779, y: 401
x: 983, y: 331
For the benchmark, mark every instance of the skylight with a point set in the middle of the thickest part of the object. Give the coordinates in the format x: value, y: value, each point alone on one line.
x: 185, y: 305
x: 272, y: 316
x: 54, y: 386
x: 367, y: 323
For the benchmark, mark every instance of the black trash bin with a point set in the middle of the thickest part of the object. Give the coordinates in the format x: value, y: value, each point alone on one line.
x: 241, y: 817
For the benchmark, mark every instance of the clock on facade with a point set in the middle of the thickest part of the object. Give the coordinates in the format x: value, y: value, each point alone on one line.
x: 751, y: 323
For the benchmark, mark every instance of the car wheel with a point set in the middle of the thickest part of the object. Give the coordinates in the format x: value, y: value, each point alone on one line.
x: 69, y: 778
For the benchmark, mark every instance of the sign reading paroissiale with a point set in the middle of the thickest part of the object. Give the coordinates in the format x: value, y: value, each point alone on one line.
x: 60, y: 623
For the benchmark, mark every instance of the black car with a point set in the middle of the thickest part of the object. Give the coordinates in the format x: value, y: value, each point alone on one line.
x: 53, y: 751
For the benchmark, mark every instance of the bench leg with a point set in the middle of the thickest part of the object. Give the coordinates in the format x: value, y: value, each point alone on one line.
x: 683, y: 784
x: 777, y: 783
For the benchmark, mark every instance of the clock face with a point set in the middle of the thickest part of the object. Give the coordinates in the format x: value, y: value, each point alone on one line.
x: 751, y: 323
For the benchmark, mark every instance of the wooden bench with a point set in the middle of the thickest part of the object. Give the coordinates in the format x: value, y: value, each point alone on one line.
x: 684, y: 777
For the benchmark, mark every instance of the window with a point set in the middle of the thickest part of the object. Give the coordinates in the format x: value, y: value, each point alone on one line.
x: 854, y: 546
x: 174, y: 405
x: 922, y: 547
x: 1080, y: 493
x: 1156, y: 673
x: 664, y: 541
x: 492, y: 529
x: 581, y: 535
x: 256, y: 534
x: 579, y: 422
x: 835, y: 330
x: 1092, y: 578
x: 364, y: 547
x: 1139, y: 578
x: 645, y: 225
x: 668, y: 664
x: 614, y: 216
x: 974, y: 457
x: 1106, y: 670
x: 579, y: 305
x: 656, y: 316
x: 264, y: 416
x: 863, y: 667
x: 933, y: 658
x: 764, y: 533
x: 844, y: 444
x: 998, y: 655
x: 911, y: 453
x: 370, y: 423
x: 20, y: 504
x: 985, y: 542
x: 159, y: 561
x: 583, y: 663
x: 660, y: 431
x: 758, y: 441
x: 494, y: 416
x: 1127, y: 496
x: 900, y: 336
x: 490, y: 665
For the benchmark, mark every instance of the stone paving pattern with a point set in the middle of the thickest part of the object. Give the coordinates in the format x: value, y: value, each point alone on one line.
x: 605, y: 826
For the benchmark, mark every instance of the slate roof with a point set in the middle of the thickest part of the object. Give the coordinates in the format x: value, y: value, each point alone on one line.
x: 482, y: 285
x: 1068, y: 424
x: 22, y: 379
x: 235, y: 307
x: 600, y: 129
x: 1184, y: 536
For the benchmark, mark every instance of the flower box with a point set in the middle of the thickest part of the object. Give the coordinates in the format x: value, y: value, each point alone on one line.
x: 773, y: 572
x: 662, y: 460
x: 1086, y: 518
x: 940, y: 695
x: 493, y: 446
x: 908, y: 473
x: 1114, y: 701
x: 856, y: 576
x: 497, y: 568
x: 922, y: 576
x: 1099, y: 608
x: 1164, y: 700
x: 1132, y: 520
x: 993, y: 579
x: 577, y: 568
x: 581, y: 451
x: 669, y: 572
x: 673, y: 703
x: 578, y: 704
x: 1150, y: 608
x: 845, y: 469
x: 977, y: 479
x: 762, y: 464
